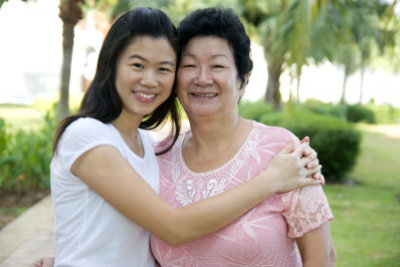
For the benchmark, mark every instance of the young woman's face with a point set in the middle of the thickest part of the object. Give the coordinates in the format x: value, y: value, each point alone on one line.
x: 207, y: 80
x: 145, y: 74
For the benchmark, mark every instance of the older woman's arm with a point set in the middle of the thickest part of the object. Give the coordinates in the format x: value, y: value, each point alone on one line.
x: 316, y: 247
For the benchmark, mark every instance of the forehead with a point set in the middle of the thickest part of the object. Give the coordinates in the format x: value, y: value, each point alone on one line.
x: 206, y: 46
x: 150, y: 46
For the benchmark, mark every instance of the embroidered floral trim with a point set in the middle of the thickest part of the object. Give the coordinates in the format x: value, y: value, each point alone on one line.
x: 192, y: 187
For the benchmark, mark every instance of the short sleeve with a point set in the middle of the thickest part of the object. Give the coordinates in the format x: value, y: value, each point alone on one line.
x: 81, y: 136
x: 305, y: 209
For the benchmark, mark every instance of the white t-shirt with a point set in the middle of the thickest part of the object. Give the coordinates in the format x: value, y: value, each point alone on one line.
x: 89, y: 231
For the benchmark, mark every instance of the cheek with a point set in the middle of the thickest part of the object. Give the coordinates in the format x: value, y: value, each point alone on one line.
x: 179, y: 83
x: 169, y: 83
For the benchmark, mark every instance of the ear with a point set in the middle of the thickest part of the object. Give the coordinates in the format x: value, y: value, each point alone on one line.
x: 243, y: 88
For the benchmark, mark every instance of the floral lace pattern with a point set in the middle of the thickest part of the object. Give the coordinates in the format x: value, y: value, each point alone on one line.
x: 261, y: 237
x: 192, y: 187
x: 306, y: 209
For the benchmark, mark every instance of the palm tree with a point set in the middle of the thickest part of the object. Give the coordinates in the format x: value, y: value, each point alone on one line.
x: 70, y: 13
x: 285, y: 30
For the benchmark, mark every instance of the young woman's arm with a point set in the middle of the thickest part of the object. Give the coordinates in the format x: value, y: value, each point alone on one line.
x: 316, y: 247
x: 108, y: 173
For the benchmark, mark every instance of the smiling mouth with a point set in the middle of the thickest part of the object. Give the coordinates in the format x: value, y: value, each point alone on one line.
x: 204, y: 95
x: 145, y: 96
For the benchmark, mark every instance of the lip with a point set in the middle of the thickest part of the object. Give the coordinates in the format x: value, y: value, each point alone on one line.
x: 144, y: 97
x: 204, y: 95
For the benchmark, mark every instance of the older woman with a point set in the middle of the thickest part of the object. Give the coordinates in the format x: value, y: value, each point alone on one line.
x: 104, y: 174
x: 223, y: 150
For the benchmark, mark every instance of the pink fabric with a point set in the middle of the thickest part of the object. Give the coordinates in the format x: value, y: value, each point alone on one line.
x: 261, y: 237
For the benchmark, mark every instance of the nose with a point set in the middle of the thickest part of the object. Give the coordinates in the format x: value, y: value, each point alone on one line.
x: 203, y: 77
x: 149, y: 79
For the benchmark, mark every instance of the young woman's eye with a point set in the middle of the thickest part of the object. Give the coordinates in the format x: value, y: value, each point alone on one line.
x: 163, y: 69
x: 137, y: 65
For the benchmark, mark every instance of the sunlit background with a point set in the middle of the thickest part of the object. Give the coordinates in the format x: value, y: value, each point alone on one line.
x: 31, y: 56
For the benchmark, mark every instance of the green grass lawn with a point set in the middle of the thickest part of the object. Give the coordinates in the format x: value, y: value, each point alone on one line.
x: 366, y: 229
x: 19, y: 116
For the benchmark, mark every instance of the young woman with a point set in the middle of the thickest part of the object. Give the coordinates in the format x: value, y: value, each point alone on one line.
x: 104, y: 174
x: 223, y: 151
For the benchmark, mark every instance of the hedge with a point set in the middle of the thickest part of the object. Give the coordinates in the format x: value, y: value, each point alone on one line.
x: 25, y: 157
x: 336, y: 142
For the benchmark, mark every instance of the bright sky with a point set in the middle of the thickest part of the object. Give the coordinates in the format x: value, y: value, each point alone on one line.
x: 31, y: 44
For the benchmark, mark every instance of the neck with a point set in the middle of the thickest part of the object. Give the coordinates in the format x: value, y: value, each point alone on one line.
x: 211, y: 135
x: 128, y: 127
x: 127, y: 124
x: 210, y: 144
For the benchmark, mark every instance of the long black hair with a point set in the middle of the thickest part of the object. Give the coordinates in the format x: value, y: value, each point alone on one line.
x: 101, y: 101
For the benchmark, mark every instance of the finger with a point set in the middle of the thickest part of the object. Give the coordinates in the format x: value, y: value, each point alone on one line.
x: 302, y: 149
x: 307, y: 181
x: 289, y: 147
x: 36, y: 263
x: 305, y: 140
x: 310, y: 162
x: 312, y: 170
x: 48, y: 262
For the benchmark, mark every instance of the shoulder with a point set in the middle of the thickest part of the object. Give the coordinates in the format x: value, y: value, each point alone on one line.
x: 87, y: 130
x: 273, y: 132
x: 86, y: 125
x: 163, y: 144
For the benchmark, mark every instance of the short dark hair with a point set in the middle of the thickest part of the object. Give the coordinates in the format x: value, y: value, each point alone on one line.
x: 101, y: 101
x: 223, y: 23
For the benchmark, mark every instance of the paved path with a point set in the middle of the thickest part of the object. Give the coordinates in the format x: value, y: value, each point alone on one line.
x: 28, y: 237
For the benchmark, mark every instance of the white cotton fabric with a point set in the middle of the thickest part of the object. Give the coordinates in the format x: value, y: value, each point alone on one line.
x: 89, y: 231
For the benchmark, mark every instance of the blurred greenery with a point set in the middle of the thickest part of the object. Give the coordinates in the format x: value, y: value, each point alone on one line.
x: 25, y: 149
x: 366, y: 229
x: 337, y: 142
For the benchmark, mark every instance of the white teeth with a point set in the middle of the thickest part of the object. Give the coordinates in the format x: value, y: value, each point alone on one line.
x: 205, y: 95
x: 146, y: 96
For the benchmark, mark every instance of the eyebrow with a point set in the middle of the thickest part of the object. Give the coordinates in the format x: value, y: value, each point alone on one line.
x: 214, y: 56
x: 145, y: 60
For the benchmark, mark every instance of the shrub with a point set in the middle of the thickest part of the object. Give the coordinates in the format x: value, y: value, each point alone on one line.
x: 336, y: 142
x: 254, y: 110
x: 385, y: 114
x: 25, y: 160
x: 359, y: 113
x: 319, y: 107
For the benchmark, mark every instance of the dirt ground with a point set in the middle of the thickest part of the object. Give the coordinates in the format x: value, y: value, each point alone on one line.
x: 12, y: 204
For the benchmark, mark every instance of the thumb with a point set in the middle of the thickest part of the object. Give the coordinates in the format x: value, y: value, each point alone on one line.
x: 305, y: 140
x: 289, y: 148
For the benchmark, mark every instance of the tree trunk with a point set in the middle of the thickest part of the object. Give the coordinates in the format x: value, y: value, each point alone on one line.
x: 343, y: 98
x: 273, y: 95
x: 299, y: 73
x: 68, y: 43
x: 362, y: 83
x: 70, y: 14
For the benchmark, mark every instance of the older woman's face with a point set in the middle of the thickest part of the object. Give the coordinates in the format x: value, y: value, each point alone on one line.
x: 207, y: 80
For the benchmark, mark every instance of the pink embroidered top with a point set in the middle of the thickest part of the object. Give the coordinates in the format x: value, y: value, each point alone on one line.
x: 264, y: 236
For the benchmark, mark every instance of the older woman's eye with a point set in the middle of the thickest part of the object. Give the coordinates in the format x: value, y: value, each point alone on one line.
x: 188, y: 66
x: 218, y: 66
